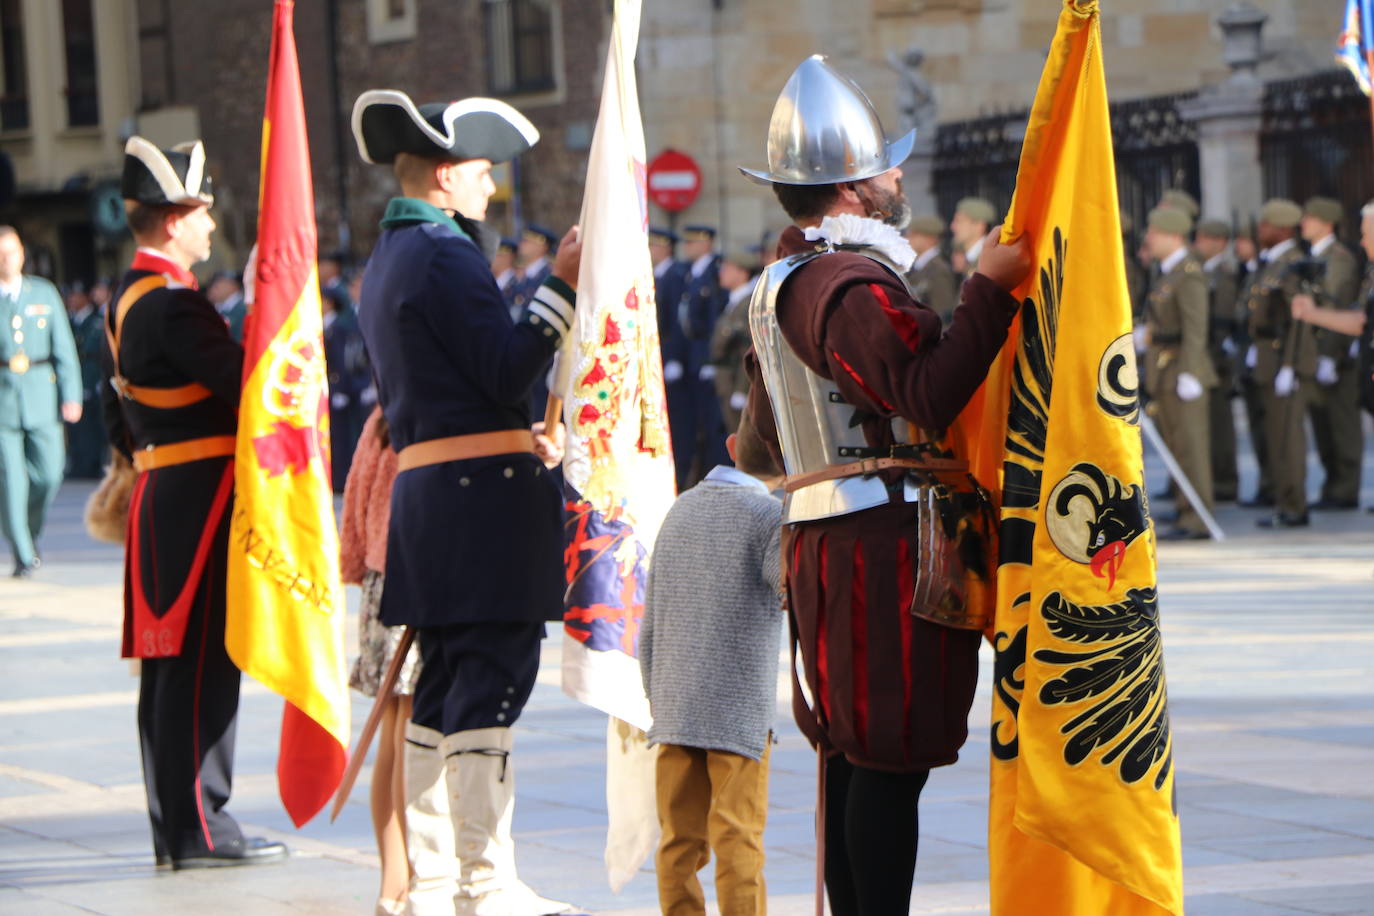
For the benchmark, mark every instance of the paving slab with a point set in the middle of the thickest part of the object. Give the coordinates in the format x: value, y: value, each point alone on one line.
x: 1269, y: 641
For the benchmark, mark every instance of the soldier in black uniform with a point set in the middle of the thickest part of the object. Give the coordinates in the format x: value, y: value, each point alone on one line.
x: 86, y: 437
x: 474, y: 557
x: 670, y: 279
x: 702, y: 302
x: 171, y: 401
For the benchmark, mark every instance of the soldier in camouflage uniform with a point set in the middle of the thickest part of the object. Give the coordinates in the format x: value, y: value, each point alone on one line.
x: 1283, y: 360
x: 1223, y: 286
x: 1178, y: 367
x: 1334, y: 406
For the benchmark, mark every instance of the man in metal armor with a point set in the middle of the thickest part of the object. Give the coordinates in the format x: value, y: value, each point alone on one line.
x: 853, y: 378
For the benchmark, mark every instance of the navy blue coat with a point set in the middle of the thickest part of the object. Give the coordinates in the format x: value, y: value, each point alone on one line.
x: 478, y: 540
x: 668, y: 293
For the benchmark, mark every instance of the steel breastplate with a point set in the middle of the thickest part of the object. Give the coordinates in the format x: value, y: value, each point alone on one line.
x: 813, y: 419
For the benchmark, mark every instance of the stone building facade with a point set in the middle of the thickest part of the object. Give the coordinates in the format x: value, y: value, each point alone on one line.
x: 710, y: 71
x: 66, y: 95
x: 543, y: 56
x: 174, y: 71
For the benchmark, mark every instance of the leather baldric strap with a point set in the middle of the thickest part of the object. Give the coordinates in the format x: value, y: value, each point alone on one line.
x: 162, y: 398
x: 161, y: 456
x: 461, y: 448
x: 870, y: 466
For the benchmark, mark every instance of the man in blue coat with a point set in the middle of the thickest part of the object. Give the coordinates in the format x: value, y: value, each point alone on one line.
x: 670, y: 278
x: 702, y: 301
x: 474, y: 556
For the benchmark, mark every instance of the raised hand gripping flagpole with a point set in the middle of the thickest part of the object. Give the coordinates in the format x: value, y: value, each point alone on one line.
x: 1082, y: 778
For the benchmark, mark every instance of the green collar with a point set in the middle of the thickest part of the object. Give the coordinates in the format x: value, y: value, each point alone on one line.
x: 407, y: 211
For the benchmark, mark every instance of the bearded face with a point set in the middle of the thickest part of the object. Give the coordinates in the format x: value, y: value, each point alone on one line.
x: 883, y: 199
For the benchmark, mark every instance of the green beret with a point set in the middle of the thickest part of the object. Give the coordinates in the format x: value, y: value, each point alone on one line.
x: 1171, y: 220
x: 1216, y: 228
x: 1325, y: 209
x: 1181, y: 200
x: 977, y: 209
x: 1281, y: 213
x: 927, y: 225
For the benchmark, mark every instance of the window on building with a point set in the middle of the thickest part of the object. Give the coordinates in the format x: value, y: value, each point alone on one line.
x: 154, y: 55
x: 14, y: 94
x: 78, y: 38
x: 390, y: 20
x: 520, y: 46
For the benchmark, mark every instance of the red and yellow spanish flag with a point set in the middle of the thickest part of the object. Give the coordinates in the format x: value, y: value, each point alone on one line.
x: 286, y: 608
x: 1083, y: 817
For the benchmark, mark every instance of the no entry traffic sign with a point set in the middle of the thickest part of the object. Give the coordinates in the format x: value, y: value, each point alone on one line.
x: 674, y: 180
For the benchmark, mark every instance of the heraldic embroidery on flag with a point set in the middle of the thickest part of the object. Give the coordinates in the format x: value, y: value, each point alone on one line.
x: 1083, y: 816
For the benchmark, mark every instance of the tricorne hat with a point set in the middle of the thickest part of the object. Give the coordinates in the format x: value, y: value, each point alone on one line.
x: 386, y: 123
x: 165, y: 176
x: 824, y: 130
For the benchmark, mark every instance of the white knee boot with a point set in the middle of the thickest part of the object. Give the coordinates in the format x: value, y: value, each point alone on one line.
x: 481, y: 782
x: 429, y: 827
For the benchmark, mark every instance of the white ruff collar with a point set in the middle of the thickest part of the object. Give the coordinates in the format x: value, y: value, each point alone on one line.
x: 848, y: 229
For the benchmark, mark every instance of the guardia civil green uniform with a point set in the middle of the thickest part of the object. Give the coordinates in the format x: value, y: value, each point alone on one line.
x: 1177, y: 312
x: 1334, y: 406
x: 38, y: 373
x: 1280, y: 343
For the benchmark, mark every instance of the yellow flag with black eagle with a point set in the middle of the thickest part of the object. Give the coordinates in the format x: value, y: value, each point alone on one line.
x: 1083, y: 816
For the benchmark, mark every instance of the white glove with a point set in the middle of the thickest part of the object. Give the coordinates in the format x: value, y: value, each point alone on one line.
x: 338, y: 401
x: 1141, y: 335
x: 706, y: 373
x: 1228, y: 346
x: 1285, y: 383
x: 739, y: 400
x: 672, y: 370
x: 1326, y: 371
x: 1251, y: 357
x: 369, y: 396
x: 1188, y: 387
x: 1354, y: 349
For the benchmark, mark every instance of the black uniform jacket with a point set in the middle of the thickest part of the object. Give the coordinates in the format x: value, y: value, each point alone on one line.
x: 179, y: 514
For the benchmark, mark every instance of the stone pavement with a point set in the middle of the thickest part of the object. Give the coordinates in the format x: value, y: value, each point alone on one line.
x: 1271, y: 674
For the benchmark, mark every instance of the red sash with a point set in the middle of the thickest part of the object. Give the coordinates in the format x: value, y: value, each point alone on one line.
x: 146, y: 634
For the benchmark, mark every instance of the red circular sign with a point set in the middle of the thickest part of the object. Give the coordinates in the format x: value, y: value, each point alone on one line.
x: 674, y: 180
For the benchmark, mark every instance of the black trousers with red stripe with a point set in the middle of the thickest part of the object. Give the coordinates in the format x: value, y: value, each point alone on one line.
x: 187, y: 707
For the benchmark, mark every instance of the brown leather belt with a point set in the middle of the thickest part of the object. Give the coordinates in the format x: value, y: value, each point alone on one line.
x: 869, y: 466
x: 161, y: 456
x: 162, y: 398
x: 461, y: 448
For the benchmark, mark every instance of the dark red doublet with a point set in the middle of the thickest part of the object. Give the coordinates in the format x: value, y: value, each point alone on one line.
x: 892, y: 690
